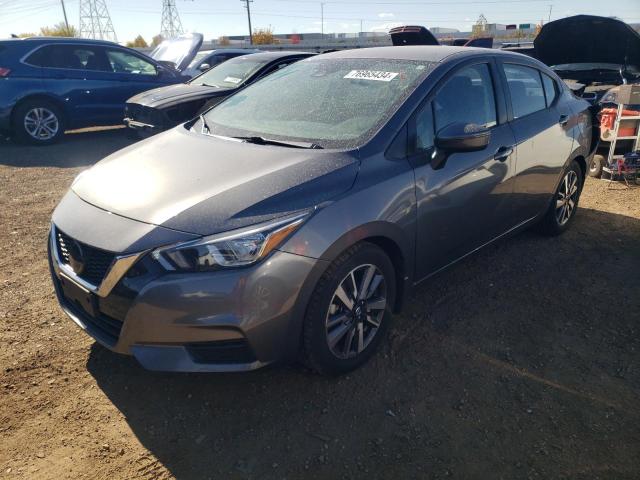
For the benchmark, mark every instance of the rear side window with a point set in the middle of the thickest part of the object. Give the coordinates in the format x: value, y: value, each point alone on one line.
x: 74, y: 57
x: 467, y: 97
x: 525, y: 88
x: 550, y: 88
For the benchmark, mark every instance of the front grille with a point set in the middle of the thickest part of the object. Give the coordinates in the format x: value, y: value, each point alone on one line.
x: 102, y: 327
x: 96, y: 261
x: 221, y: 352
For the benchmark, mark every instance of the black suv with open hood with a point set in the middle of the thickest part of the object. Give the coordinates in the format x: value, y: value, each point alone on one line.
x: 592, y: 54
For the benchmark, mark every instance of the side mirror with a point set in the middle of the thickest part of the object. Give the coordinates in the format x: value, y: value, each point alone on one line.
x: 461, y: 137
x: 458, y: 137
x: 204, y: 67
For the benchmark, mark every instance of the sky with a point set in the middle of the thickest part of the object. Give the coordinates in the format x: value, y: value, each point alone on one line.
x: 215, y: 18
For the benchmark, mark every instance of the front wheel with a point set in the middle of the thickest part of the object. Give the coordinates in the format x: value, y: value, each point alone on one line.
x: 349, y: 311
x: 564, y: 204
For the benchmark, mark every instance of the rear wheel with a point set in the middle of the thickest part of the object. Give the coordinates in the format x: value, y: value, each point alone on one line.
x: 350, y: 310
x: 565, y: 202
x: 38, y: 122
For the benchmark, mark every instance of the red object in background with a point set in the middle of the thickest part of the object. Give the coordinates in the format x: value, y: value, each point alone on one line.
x: 295, y: 39
x: 608, y: 117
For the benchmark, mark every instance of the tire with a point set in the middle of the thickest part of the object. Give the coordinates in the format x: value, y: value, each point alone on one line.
x: 38, y: 122
x: 338, y: 338
x: 561, y: 212
x: 595, y: 168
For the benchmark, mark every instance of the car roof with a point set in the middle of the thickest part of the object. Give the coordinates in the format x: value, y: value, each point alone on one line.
x: 426, y: 53
x: 278, y: 55
x: 62, y: 40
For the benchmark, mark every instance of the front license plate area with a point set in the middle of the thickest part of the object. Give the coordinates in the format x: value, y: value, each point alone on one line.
x: 78, y: 296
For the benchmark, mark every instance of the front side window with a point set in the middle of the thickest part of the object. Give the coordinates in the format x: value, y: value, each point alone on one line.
x: 525, y: 89
x: 334, y: 102
x: 424, y: 129
x: 124, y: 62
x: 467, y: 97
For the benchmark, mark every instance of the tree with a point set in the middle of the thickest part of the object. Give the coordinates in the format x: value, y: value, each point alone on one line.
x: 157, y: 40
x: 263, y: 36
x: 138, y: 42
x: 59, y: 30
x: 223, y: 41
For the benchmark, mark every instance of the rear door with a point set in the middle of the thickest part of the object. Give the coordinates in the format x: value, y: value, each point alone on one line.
x: 466, y: 202
x: 543, y: 126
x: 75, y: 73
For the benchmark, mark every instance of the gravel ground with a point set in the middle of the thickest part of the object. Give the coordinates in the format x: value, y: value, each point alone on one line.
x: 522, y: 362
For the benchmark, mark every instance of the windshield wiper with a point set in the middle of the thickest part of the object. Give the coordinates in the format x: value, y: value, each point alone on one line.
x: 283, y: 143
x: 208, y: 85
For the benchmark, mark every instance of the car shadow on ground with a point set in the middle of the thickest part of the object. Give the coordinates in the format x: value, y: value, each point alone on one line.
x: 78, y: 149
x: 519, y: 362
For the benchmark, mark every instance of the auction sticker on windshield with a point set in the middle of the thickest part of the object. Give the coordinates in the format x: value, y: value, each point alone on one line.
x: 233, y: 80
x: 371, y: 75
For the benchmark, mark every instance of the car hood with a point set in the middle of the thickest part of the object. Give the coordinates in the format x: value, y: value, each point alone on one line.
x: 203, y: 185
x: 588, y: 39
x: 178, y: 51
x: 175, y: 94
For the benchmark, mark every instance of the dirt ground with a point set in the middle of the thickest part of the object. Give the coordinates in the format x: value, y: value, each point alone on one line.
x: 522, y: 362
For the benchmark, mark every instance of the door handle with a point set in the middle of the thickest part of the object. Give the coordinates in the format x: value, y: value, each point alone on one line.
x: 503, y: 153
x: 564, y: 119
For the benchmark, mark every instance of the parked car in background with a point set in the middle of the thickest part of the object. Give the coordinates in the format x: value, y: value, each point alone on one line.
x: 49, y: 85
x: 156, y: 110
x: 292, y: 219
x: 206, y: 59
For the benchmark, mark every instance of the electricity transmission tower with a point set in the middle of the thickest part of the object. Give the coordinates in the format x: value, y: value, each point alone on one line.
x: 95, y: 21
x: 171, y: 25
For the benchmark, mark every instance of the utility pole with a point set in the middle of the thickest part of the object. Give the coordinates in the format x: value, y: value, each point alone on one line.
x: 550, y: 8
x: 64, y: 11
x: 322, y: 18
x: 247, y: 6
x: 361, y: 26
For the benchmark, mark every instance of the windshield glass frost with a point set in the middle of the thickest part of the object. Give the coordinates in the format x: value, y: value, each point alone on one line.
x: 231, y: 73
x: 336, y: 103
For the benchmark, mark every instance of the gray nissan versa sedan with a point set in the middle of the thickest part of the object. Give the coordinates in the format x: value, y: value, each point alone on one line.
x: 293, y: 218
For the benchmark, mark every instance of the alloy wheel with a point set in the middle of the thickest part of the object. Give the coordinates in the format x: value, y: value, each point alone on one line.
x: 567, y: 197
x: 356, y: 311
x: 41, y: 123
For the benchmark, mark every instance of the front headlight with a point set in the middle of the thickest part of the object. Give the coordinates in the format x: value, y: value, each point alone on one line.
x: 228, y: 250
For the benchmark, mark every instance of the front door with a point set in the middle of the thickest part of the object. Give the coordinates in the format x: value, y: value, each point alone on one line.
x: 465, y: 202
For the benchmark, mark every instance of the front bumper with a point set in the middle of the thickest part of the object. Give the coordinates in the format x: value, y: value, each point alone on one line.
x: 229, y: 320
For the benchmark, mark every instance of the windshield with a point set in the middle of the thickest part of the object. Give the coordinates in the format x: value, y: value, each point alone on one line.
x: 231, y: 73
x: 334, y: 103
x: 197, y: 60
